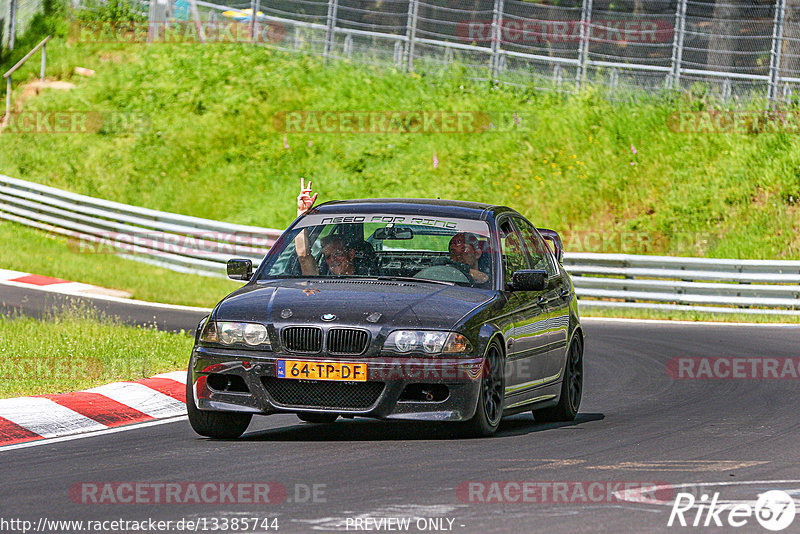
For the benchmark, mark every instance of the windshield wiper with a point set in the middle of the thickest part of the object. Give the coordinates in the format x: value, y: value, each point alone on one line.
x: 413, y: 279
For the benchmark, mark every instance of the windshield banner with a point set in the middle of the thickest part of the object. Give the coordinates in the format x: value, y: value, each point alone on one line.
x: 440, y: 223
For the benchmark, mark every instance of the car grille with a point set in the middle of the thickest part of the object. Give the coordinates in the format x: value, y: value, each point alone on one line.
x: 322, y: 393
x: 302, y: 339
x: 347, y: 341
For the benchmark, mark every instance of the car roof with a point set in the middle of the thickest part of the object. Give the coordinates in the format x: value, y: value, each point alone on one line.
x: 413, y: 206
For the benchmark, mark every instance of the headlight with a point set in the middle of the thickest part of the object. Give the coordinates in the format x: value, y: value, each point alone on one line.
x: 251, y: 334
x: 427, y: 341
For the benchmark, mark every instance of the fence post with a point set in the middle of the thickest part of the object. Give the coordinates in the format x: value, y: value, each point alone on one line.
x: 497, y: 35
x: 677, y: 44
x: 255, y: 5
x: 44, y: 61
x: 775, y: 54
x: 198, y: 24
x: 583, y: 50
x: 330, y: 29
x: 411, y: 33
x: 153, y: 21
x: 12, y: 23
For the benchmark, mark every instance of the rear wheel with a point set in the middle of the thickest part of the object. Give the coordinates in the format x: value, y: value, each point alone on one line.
x: 319, y: 418
x: 571, y: 388
x: 220, y: 425
x: 490, y: 400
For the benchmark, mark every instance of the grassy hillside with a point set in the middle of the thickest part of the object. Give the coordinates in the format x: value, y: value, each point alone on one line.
x: 611, y: 177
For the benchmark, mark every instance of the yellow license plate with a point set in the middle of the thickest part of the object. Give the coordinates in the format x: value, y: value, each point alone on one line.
x: 351, y: 372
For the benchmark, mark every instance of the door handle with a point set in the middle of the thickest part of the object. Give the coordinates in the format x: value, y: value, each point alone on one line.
x: 542, y: 301
x: 564, y: 293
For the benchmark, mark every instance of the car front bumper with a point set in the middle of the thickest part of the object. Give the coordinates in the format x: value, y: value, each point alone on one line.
x: 385, y: 395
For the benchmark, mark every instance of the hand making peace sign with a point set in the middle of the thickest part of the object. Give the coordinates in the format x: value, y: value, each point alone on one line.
x: 304, y: 200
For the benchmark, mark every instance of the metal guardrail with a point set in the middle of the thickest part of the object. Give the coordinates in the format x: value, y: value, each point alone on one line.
x: 670, y: 283
x: 203, y: 246
x: 178, y: 242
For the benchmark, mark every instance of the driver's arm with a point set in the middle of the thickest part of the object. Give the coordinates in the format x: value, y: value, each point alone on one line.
x: 308, y: 265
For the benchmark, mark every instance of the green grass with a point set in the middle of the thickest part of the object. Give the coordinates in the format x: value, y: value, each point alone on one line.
x: 209, y: 148
x: 78, y: 350
x: 27, y: 250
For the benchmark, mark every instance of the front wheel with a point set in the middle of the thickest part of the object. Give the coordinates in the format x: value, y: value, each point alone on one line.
x: 220, y: 425
x: 490, y: 400
x: 571, y: 388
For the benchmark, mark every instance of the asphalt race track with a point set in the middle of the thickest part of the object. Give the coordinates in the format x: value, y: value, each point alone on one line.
x: 637, y: 424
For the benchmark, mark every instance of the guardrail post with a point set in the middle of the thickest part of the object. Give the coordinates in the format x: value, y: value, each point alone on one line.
x: 497, y: 36
x: 411, y: 33
x: 775, y: 54
x: 330, y: 29
x: 583, y: 49
x: 679, y: 31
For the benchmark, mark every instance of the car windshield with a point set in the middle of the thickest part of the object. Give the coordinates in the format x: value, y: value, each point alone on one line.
x: 435, y: 249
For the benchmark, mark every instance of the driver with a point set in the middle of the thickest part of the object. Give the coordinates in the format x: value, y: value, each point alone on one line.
x: 465, y: 248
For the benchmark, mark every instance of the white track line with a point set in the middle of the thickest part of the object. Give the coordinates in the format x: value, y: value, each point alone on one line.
x: 670, y: 322
x: 142, y: 398
x: 51, y: 289
x: 45, y: 417
x: 84, y: 435
x: 177, y: 376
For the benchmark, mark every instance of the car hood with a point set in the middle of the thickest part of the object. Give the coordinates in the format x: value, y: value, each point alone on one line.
x: 353, y: 303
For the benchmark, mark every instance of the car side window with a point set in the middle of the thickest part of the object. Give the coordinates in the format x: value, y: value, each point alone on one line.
x: 537, y: 248
x: 513, y: 254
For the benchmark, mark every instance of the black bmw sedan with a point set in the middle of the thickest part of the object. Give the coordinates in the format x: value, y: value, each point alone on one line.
x: 413, y: 309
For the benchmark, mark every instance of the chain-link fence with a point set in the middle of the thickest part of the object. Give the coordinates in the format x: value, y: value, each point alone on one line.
x: 15, y: 16
x: 736, y: 50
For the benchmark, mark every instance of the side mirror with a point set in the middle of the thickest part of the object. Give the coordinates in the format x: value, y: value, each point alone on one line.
x: 239, y: 269
x: 554, y: 240
x: 529, y: 280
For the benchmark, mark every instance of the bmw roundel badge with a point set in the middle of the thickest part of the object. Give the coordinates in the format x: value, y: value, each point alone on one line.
x: 328, y: 317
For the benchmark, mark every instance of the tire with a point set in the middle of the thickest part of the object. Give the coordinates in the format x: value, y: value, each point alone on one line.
x: 318, y: 418
x: 220, y: 425
x: 489, y: 411
x: 571, y: 388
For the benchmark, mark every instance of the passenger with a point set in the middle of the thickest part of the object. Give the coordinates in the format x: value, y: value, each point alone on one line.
x: 466, y: 248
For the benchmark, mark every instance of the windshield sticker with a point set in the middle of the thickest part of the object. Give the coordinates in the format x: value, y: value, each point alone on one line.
x: 442, y: 223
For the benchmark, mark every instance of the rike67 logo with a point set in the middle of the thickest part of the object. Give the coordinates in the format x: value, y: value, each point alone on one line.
x: 774, y: 510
